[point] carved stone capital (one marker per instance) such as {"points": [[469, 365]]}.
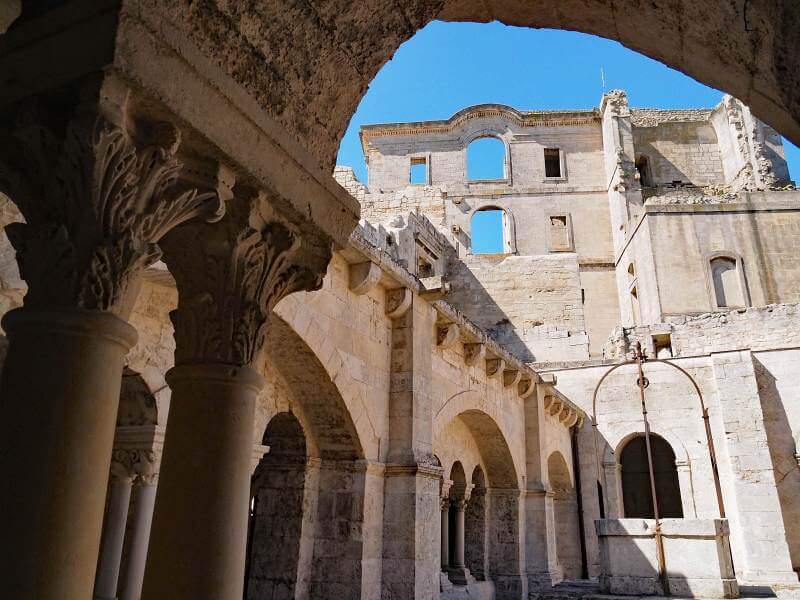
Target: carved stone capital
{"points": [[444, 503], [131, 463], [230, 275], [95, 205]]}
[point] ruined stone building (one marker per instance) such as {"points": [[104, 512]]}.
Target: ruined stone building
{"points": [[228, 374]]}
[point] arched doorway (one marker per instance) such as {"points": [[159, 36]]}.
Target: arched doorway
{"points": [[475, 527], [565, 513], [636, 492], [275, 567]]}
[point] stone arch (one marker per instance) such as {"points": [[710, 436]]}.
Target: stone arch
{"points": [[279, 538], [485, 418], [296, 312], [334, 475], [137, 401], [566, 516], [315, 398], [752, 54]]}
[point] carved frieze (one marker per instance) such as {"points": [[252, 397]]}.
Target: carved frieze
{"points": [[95, 205], [230, 275]]}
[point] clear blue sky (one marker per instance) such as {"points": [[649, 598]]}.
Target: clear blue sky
{"points": [[447, 66]]}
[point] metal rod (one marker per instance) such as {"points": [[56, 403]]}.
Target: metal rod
{"points": [[641, 383]]}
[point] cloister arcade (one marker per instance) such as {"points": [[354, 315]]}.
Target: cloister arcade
{"points": [[204, 133]]}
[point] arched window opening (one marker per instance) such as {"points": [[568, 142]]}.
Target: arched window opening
{"points": [[727, 281], [457, 493], [276, 512], [643, 168], [636, 493], [488, 231], [565, 508], [475, 527], [486, 159]]}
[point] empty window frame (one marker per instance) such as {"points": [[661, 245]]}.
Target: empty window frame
{"points": [[488, 231], [486, 159], [728, 282], [552, 163], [418, 174]]}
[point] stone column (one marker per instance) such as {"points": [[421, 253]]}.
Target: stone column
{"points": [[229, 277], [445, 527], [684, 468], [119, 498], [95, 204], [140, 537]]}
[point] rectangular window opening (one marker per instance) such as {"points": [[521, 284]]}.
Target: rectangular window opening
{"points": [[552, 162], [662, 345], [419, 171]]}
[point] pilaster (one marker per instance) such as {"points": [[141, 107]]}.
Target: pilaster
{"points": [[758, 542]]}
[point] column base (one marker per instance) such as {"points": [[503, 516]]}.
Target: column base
{"points": [[444, 582], [460, 575]]}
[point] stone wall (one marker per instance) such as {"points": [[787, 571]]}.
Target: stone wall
{"points": [[680, 151], [530, 304]]}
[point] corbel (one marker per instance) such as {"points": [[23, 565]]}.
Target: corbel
{"points": [[511, 377], [495, 367], [525, 387], [447, 335], [398, 301], [474, 353], [364, 277]]}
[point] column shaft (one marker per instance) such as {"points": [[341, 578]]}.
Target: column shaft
{"points": [[445, 525], [200, 522], [60, 391], [140, 539], [119, 499], [458, 551]]}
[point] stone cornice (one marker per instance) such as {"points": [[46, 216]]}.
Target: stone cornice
{"points": [[530, 118]]}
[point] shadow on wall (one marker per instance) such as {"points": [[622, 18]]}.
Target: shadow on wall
{"points": [[783, 452], [472, 298]]}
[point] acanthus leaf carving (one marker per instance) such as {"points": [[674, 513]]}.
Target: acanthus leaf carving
{"points": [[230, 275], [95, 207]]}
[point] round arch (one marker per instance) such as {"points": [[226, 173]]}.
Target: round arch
{"points": [[509, 225], [493, 448], [752, 53], [316, 400]]}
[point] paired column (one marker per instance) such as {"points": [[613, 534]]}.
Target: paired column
{"points": [[145, 491], [95, 204], [229, 277], [119, 498]]}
